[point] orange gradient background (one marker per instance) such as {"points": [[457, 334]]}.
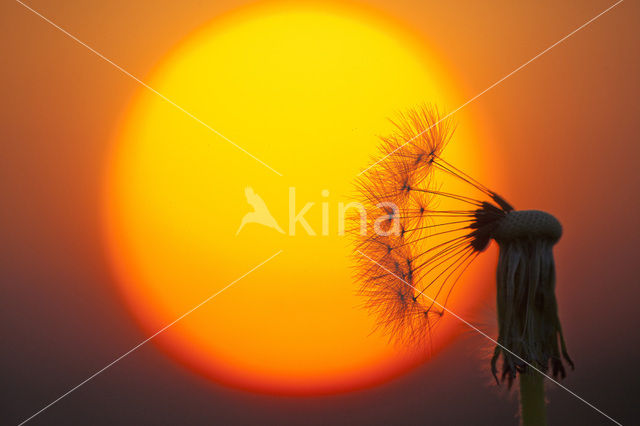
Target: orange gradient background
{"points": [[307, 89], [560, 135]]}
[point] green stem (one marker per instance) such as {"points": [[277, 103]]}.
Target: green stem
{"points": [[532, 405]]}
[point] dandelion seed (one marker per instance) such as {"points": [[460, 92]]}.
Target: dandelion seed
{"points": [[423, 251]]}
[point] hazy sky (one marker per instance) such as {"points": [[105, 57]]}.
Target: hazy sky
{"points": [[567, 128]]}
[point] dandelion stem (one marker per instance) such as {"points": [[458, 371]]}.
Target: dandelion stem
{"points": [[532, 404]]}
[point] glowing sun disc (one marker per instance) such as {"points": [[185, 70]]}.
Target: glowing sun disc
{"points": [[306, 89]]}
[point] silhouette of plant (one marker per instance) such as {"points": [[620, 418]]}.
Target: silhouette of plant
{"points": [[420, 239]]}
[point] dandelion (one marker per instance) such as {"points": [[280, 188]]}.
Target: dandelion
{"points": [[420, 239]]}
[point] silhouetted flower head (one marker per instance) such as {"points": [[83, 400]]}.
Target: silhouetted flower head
{"points": [[420, 239]]}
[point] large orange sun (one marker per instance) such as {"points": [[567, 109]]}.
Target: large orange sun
{"points": [[306, 89]]}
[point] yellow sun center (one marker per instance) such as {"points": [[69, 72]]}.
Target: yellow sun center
{"points": [[306, 89]]}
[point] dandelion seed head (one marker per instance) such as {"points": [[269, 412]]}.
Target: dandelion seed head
{"points": [[392, 193], [415, 251]]}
